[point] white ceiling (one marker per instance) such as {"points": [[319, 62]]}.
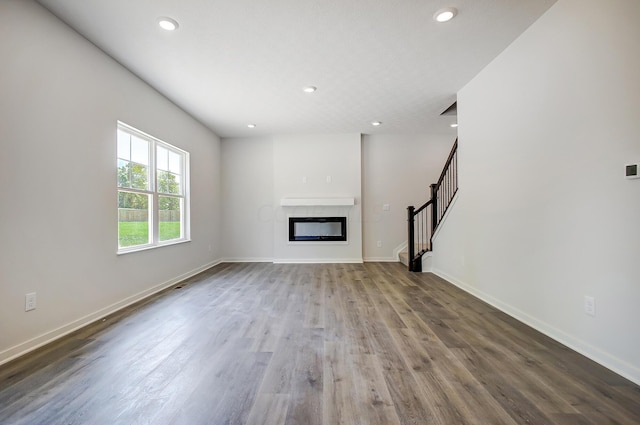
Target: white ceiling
{"points": [[236, 62]]}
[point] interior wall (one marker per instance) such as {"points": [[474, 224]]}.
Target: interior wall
{"points": [[397, 171], [247, 199], [545, 215], [60, 99], [317, 166]]}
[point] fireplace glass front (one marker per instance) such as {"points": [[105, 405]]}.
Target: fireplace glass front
{"points": [[317, 229]]}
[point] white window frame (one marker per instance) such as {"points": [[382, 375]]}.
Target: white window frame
{"points": [[154, 213]]}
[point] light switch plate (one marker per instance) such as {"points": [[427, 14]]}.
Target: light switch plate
{"points": [[30, 301]]}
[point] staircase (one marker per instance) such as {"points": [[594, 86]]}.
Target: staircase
{"points": [[423, 221], [424, 264], [404, 257]]}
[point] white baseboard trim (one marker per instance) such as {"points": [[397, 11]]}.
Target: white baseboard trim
{"points": [[603, 358], [317, 261], [299, 260], [50, 336], [247, 260], [427, 262], [380, 259]]}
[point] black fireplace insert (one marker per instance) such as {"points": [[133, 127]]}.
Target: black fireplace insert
{"points": [[317, 229]]}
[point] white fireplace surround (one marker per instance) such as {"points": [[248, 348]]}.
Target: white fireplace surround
{"points": [[319, 182], [316, 202]]}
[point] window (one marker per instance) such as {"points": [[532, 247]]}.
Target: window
{"points": [[153, 189]]}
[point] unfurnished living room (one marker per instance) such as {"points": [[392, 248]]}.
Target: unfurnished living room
{"points": [[320, 212]]}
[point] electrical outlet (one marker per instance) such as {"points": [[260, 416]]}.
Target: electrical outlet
{"points": [[379, 244], [30, 301], [590, 305]]}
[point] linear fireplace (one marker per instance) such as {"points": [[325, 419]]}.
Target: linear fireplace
{"points": [[319, 229]]}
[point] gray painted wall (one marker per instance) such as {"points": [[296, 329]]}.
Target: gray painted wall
{"points": [[60, 99], [545, 215]]}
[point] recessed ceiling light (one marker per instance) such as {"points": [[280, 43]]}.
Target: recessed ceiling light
{"points": [[446, 14], [454, 125], [376, 123], [168, 24], [251, 125], [309, 89]]}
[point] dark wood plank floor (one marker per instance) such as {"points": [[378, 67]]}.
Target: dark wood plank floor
{"points": [[312, 345]]}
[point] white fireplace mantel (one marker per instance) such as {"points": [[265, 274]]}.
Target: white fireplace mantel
{"points": [[313, 202]]}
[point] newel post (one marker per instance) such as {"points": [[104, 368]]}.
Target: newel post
{"points": [[434, 208], [411, 239]]}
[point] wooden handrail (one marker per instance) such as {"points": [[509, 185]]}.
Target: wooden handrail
{"points": [[454, 149], [425, 205], [448, 183]]}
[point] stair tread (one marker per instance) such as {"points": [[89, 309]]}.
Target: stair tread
{"points": [[404, 257]]}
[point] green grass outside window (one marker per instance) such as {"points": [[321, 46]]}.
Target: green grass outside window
{"points": [[131, 233]]}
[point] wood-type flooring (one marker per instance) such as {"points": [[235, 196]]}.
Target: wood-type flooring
{"points": [[312, 344]]}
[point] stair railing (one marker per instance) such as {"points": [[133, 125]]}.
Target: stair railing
{"points": [[424, 220]]}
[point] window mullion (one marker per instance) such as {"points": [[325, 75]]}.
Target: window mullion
{"points": [[156, 220], [155, 227]]}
